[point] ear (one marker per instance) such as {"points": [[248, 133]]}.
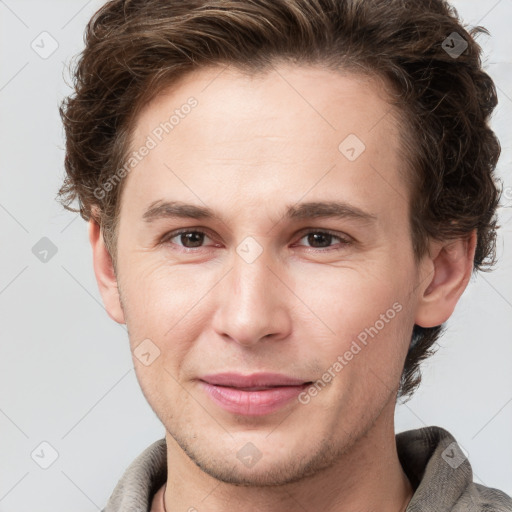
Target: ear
{"points": [[451, 266], [104, 272]]}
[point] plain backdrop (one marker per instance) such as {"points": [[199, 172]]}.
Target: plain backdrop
{"points": [[66, 373]]}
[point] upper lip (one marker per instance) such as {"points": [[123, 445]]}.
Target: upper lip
{"points": [[238, 380]]}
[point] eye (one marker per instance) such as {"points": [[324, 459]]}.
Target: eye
{"points": [[189, 238], [322, 239]]}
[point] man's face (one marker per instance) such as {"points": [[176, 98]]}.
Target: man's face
{"points": [[255, 293]]}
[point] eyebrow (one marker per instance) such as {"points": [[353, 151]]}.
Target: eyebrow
{"points": [[162, 209]]}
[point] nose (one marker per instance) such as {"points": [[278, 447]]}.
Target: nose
{"points": [[253, 302]]}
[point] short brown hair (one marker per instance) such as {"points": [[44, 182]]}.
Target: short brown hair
{"points": [[136, 48]]}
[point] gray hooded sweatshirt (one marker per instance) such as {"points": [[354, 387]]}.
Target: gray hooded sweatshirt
{"points": [[437, 468]]}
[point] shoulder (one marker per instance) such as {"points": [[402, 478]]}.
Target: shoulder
{"points": [[442, 476], [141, 480]]}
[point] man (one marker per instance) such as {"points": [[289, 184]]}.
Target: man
{"points": [[286, 200]]}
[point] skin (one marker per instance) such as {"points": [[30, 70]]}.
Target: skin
{"points": [[251, 147]]}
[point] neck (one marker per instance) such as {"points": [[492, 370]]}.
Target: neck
{"points": [[368, 476]]}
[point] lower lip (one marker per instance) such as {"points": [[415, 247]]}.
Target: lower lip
{"points": [[252, 403]]}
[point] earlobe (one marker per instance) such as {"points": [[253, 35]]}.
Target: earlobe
{"points": [[104, 272], [452, 265]]}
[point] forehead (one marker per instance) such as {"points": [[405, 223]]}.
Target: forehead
{"points": [[268, 100], [292, 130]]}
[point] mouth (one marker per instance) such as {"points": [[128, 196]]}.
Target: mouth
{"points": [[256, 388], [256, 380], [252, 395]]}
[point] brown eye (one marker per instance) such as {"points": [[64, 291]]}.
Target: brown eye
{"points": [[194, 238], [322, 239], [188, 239]]}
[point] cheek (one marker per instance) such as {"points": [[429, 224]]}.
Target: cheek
{"points": [[152, 287], [165, 306], [349, 299], [363, 315]]}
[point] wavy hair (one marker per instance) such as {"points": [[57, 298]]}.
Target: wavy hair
{"points": [[136, 48]]}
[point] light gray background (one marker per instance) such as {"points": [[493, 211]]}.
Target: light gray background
{"points": [[66, 374]]}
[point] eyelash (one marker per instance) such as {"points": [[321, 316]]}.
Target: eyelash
{"points": [[168, 236]]}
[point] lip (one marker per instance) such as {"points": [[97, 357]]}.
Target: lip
{"points": [[263, 379], [233, 393]]}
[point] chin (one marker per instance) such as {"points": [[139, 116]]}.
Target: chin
{"points": [[266, 475], [265, 459]]}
